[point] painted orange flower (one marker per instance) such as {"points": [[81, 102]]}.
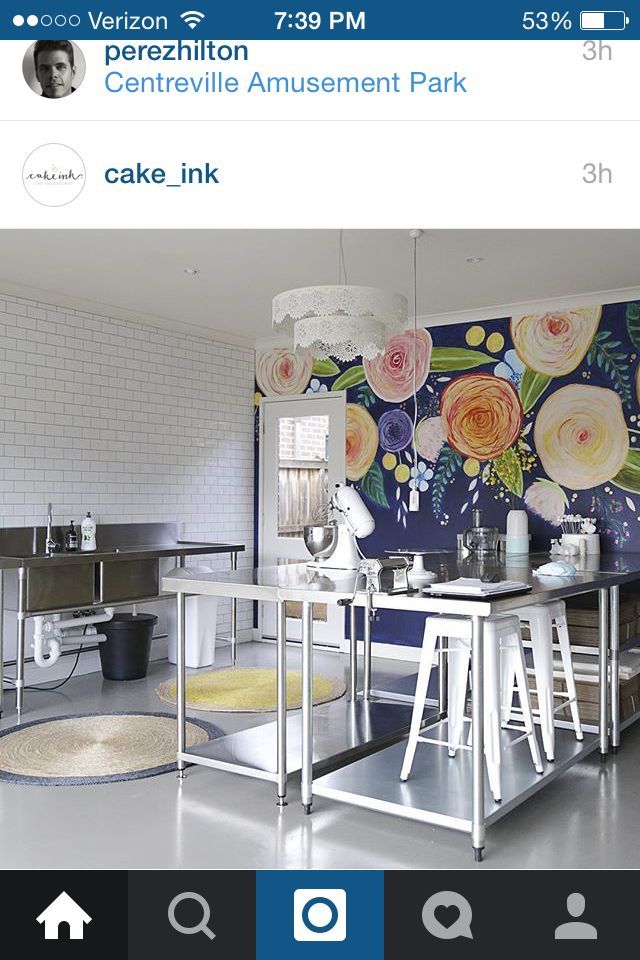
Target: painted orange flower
{"points": [[482, 415], [390, 375], [362, 441], [281, 372], [555, 343]]}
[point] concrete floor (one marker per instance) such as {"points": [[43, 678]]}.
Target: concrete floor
{"points": [[588, 818]]}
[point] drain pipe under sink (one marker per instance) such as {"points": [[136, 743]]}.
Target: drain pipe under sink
{"points": [[50, 635]]}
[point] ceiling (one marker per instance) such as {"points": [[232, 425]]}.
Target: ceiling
{"points": [[140, 273]]}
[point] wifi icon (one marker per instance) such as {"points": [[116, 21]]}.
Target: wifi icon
{"points": [[192, 18]]}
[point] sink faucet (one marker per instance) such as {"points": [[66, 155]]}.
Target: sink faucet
{"points": [[51, 545]]}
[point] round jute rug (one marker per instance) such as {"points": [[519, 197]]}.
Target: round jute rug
{"points": [[95, 748], [248, 690]]}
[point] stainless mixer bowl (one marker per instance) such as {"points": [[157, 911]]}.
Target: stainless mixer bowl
{"points": [[321, 539]]}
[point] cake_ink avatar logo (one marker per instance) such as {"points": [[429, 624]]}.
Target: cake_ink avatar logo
{"points": [[54, 175]]}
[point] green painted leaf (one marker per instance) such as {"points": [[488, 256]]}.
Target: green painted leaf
{"points": [[602, 352], [532, 387], [350, 378], [629, 477], [325, 368], [448, 463], [447, 359], [372, 486], [633, 324], [509, 470], [366, 395]]}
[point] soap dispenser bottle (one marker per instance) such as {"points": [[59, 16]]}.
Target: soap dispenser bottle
{"points": [[71, 539], [88, 530]]}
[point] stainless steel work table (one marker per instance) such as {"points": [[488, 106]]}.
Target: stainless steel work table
{"points": [[440, 792]]}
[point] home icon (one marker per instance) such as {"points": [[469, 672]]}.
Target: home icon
{"points": [[64, 910]]}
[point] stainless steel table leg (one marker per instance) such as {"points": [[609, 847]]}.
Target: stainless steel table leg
{"points": [[181, 683], [234, 616], [603, 673], [22, 600], [282, 703], [1, 639], [366, 683], [307, 706], [614, 641], [477, 727], [353, 655]]}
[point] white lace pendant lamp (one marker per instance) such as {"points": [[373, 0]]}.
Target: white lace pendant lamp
{"points": [[342, 321]]}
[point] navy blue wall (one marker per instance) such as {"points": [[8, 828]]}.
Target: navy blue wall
{"points": [[537, 412]]}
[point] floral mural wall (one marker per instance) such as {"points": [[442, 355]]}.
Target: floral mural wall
{"points": [[537, 411]]}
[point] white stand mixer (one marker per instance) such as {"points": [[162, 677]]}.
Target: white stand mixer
{"points": [[333, 545]]}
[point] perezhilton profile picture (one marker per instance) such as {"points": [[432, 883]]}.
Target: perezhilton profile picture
{"points": [[53, 69]]}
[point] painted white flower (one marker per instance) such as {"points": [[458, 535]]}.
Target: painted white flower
{"points": [[316, 386], [430, 437], [420, 477], [547, 499]]}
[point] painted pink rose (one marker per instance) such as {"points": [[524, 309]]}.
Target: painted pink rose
{"points": [[430, 437], [546, 499], [390, 375], [281, 372]]}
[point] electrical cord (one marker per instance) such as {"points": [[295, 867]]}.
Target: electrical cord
{"points": [[62, 682], [415, 358]]}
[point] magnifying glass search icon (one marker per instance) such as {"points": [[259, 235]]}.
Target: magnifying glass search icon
{"points": [[199, 927]]}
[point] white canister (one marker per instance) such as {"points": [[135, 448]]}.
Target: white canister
{"points": [[590, 542], [517, 539]]}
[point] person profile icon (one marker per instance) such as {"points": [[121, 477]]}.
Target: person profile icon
{"points": [[576, 929], [54, 69]]}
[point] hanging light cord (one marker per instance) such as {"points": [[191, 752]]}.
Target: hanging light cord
{"points": [[415, 358], [342, 265]]}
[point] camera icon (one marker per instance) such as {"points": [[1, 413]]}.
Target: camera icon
{"points": [[320, 915]]}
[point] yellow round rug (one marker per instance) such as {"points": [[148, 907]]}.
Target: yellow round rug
{"points": [[248, 690]]}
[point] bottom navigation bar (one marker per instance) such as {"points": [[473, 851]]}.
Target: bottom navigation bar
{"points": [[245, 915]]}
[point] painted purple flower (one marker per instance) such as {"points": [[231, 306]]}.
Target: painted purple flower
{"points": [[395, 429]]}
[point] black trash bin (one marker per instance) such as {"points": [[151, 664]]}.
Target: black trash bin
{"points": [[124, 655]]}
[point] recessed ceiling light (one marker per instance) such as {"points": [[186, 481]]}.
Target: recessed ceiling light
{"points": [[191, 271], [474, 259]]}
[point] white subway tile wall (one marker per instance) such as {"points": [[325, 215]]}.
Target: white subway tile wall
{"points": [[128, 420]]}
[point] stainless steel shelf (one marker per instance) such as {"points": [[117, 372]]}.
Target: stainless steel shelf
{"points": [[439, 790], [343, 731]]}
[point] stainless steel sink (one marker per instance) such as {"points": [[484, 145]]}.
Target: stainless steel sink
{"points": [[124, 567]]}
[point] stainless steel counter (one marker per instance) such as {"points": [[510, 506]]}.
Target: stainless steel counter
{"points": [[125, 569], [25, 546], [603, 574]]}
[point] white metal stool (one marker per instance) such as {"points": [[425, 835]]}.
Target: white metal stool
{"points": [[541, 619], [502, 637]]}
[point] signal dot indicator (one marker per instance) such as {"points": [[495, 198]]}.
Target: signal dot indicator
{"points": [[18, 20], [32, 20]]}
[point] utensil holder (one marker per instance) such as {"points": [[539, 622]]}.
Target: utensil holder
{"points": [[591, 541]]}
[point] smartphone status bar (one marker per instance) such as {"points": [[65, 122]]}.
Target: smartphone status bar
{"points": [[323, 20]]}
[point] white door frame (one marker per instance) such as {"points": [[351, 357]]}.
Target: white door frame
{"points": [[335, 622]]}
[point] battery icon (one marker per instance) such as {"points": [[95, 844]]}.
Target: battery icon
{"points": [[603, 20]]}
